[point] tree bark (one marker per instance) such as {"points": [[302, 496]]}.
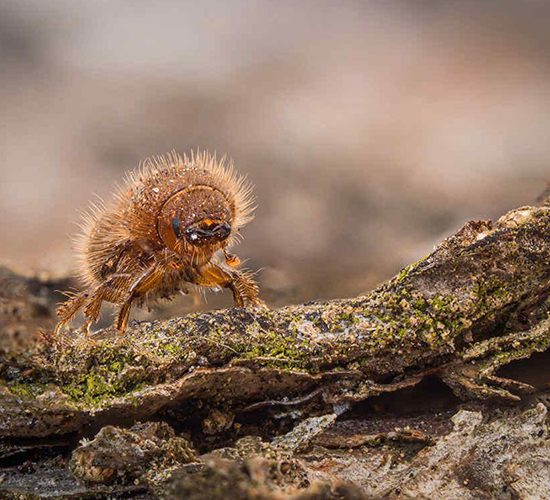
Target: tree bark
{"points": [[479, 301]]}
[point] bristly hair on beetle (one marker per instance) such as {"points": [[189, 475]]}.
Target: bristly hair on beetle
{"points": [[171, 223]]}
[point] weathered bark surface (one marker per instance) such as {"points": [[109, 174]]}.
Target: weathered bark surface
{"points": [[477, 303]]}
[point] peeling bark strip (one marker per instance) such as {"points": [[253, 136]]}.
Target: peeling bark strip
{"points": [[477, 302]]}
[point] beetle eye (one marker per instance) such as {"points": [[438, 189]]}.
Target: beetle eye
{"points": [[176, 226]]}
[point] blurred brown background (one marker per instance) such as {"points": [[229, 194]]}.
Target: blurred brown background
{"points": [[371, 129]]}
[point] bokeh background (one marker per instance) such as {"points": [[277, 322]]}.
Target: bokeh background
{"points": [[371, 129]]}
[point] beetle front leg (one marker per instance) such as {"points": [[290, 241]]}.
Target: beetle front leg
{"points": [[245, 290]]}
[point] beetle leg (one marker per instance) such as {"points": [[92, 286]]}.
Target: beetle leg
{"points": [[91, 302], [123, 315], [247, 288], [67, 310], [93, 308], [148, 280], [242, 285]]}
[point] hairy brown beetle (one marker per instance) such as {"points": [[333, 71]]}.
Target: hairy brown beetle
{"points": [[171, 223]]}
